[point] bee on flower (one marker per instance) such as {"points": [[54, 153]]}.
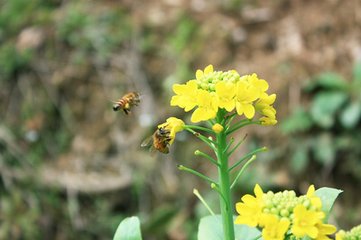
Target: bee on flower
{"points": [[164, 136]]}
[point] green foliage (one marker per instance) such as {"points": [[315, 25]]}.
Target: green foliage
{"points": [[327, 131], [97, 34], [128, 229], [12, 60], [210, 228], [328, 197]]}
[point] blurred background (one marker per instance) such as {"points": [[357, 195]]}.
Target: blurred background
{"points": [[71, 168]]}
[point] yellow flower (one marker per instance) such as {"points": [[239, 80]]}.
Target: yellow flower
{"points": [[274, 229], [174, 125], [323, 230], [225, 93], [186, 95], [200, 74], [217, 128], [250, 209], [263, 105], [245, 95], [259, 84], [340, 235], [207, 106], [213, 90], [315, 200], [305, 221]]}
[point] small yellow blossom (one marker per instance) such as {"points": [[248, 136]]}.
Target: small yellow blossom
{"points": [[245, 95], [226, 93], [259, 84], [304, 223], [250, 209], [274, 229], [207, 106], [174, 125], [207, 70], [315, 200], [186, 95], [217, 128], [323, 230], [340, 235], [263, 105]]}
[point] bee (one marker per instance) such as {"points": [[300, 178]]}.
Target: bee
{"points": [[127, 102], [158, 141]]}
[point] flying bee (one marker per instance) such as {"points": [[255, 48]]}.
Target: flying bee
{"points": [[127, 102], [158, 141]]}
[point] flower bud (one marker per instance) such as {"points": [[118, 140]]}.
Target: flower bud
{"points": [[217, 128]]}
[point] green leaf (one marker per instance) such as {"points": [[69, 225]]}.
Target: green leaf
{"points": [[128, 229], [328, 197], [299, 121], [327, 81], [351, 115], [325, 106], [324, 149], [299, 159], [210, 228]]}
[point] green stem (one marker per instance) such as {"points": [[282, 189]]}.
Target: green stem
{"points": [[208, 141], [206, 156], [241, 124], [242, 170], [199, 128], [199, 196], [224, 183], [237, 145], [247, 156], [194, 172]]}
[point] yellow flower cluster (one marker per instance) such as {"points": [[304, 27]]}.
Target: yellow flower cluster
{"points": [[354, 233], [284, 212], [214, 90]]}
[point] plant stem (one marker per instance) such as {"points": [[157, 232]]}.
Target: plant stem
{"points": [[224, 183]]}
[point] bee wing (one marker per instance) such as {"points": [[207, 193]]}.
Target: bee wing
{"points": [[148, 142]]}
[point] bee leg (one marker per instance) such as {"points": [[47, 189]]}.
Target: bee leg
{"points": [[126, 111]]}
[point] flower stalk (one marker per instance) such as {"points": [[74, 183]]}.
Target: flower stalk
{"points": [[224, 183]]}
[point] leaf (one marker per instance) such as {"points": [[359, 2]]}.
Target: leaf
{"points": [[299, 121], [324, 149], [299, 159], [328, 197], [327, 81], [210, 228], [324, 107], [351, 115], [128, 229]]}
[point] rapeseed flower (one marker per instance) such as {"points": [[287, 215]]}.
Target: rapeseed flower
{"points": [[250, 209], [186, 95], [207, 106], [274, 228], [213, 90], [323, 230], [283, 212], [304, 223]]}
